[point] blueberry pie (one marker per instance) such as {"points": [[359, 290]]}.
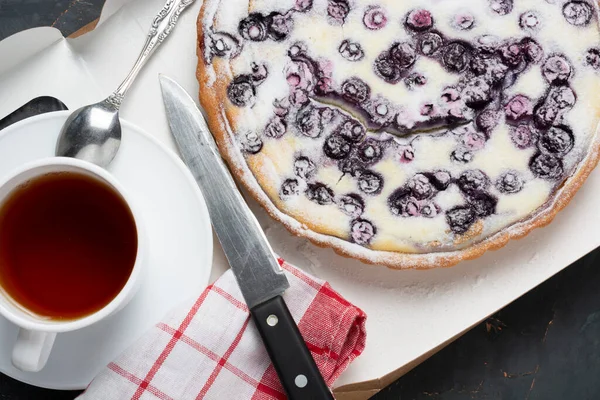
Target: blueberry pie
{"points": [[410, 133]]}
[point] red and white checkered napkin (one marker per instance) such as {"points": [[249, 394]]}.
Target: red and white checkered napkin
{"points": [[212, 350]]}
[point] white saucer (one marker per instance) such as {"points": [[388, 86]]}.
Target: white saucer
{"points": [[179, 245]]}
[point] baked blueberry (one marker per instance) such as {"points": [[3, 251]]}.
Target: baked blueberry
{"points": [[456, 56], [419, 20], [404, 121], [290, 187], [397, 198], [254, 27], [439, 179], [473, 140], [488, 44], [370, 151], [476, 93], [300, 74], [351, 165], [412, 207], [324, 84], [391, 65], [338, 10], [351, 205], [375, 18], [557, 140], [529, 20], [512, 53], [252, 143], [328, 115], [401, 203], [518, 108], [299, 98], [544, 115], [510, 182], [222, 44], [308, 121], [578, 13], [592, 57], [429, 43], [456, 114], [501, 7], [532, 50], [298, 50], [353, 131], [387, 69], [304, 168], [450, 95], [351, 51], [241, 91], [490, 67], [403, 55], [523, 136], [319, 193], [279, 26], [427, 109], [281, 107], [406, 154], [276, 128], [420, 187], [483, 204], [462, 155], [381, 112], [303, 5], [430, 210], [487, 120], [464, 21], [562, 97], [362, 232], [355, 90], [556, 69], [336, 147], [460, 219], [546, 166], [369, 182], [472, 181]]}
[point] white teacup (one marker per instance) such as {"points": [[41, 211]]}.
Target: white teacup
{"points": [[37, 334]]}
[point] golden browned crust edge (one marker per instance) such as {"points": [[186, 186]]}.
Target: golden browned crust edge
{"points": [[209, 99]]}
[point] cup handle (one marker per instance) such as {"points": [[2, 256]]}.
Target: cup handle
{"points": [[32, 350]]}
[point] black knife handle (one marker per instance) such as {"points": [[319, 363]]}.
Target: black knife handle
{"points": [[293, 362]]}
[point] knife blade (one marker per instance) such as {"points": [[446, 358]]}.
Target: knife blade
{"points": [[257, 271]]}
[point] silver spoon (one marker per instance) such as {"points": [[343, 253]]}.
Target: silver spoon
{"points": [[93, 133]]}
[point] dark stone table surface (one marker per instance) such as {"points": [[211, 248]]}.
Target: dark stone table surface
{"points": [[544, 346]]}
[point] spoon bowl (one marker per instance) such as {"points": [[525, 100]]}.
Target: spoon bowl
{"points": [[91, 133]]}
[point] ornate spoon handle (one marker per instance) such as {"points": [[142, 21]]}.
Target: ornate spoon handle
{"points": [[161, 27]]}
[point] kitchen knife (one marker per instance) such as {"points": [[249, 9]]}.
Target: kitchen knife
{"points": [[250, 256]]}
